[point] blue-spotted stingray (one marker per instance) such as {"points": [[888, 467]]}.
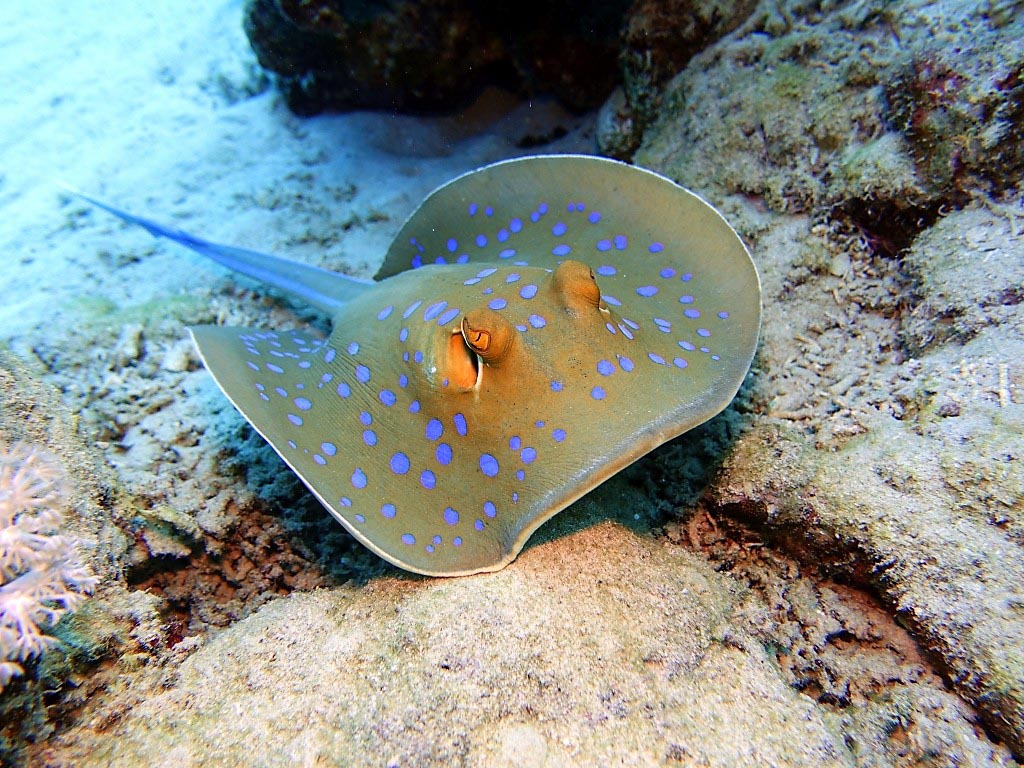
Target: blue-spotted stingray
{"points": [[537, 325]]}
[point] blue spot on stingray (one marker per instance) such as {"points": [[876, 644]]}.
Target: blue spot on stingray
{"points": [[598, 393], [403, 381], [667, 273], [609, 299], [434, 310], [329, 355], [678, 362], [359, 479], [417, 356], [489, 509], [528, 455], [561, 250], [414, 406], [453, 245], [296, 420], [362, 373], [656, 358], [487, 272], [252, 365], [655, 247], [345, 501], [434, 429], [497, 304], [693, 314], [534, 217], [528, 291], [481, 241], [516, 225], [515, 442], [594, 217], [329, 448], [460, 424], [542, 208], [605, 368], [620, 242], [457, 541], [556, 386], [625, 363], [537, 321], [631, 324], [703, 332], [344, 389], [647, 291], [451, 516], [411, 308], [302, 403], [687, 346], [427, 479], [611, 328], [281, 391], [472, 209], [687, 277], [558, 435], [448, 316], [512, 277], [359, 518], [408, 539], [416, 262], [275, 368], [488, 465], [508, 253], [604, 245], [558, 230], [385, 313], [503, 235], [489, 211], [366, 418], [605, 269], [369, 437], [626, 332], [388, 510], [353, 348], [443, 454], [520, 474], [399, 463], [479, 525], [388, 397], [437, 540], [723, 315]]}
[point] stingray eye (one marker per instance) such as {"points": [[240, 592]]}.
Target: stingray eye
{"points": [[478, 339], [575, 285], [488, 334]]}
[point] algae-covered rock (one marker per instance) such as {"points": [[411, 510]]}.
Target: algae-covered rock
{"points": [[968, 273], [604, 648], [415, 55], [787, 106]]}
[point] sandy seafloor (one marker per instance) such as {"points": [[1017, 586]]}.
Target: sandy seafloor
{"points": [[643, 629]]}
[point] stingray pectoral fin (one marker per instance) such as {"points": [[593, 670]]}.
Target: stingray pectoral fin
{"points": [[282, 383]]}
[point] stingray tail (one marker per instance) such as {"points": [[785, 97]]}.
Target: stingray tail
{"points": [[322, 288]]}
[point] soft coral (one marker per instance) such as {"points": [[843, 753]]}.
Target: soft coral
{"points": [[41, 575]]}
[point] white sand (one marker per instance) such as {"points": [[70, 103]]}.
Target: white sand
{"points": [[149, 105]]}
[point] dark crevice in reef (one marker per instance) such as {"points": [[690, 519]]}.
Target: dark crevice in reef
{"points": [[888, 227]]}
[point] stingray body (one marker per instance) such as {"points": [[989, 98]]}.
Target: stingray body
{"points": [[537, 325]]}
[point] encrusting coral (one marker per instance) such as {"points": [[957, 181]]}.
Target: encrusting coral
{"points": [[41, 575]]}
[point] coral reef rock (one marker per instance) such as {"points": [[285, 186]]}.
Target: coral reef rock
{"points": [[424, 56]]}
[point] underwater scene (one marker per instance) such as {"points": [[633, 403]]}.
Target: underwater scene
{"points": [[568, 383]]}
